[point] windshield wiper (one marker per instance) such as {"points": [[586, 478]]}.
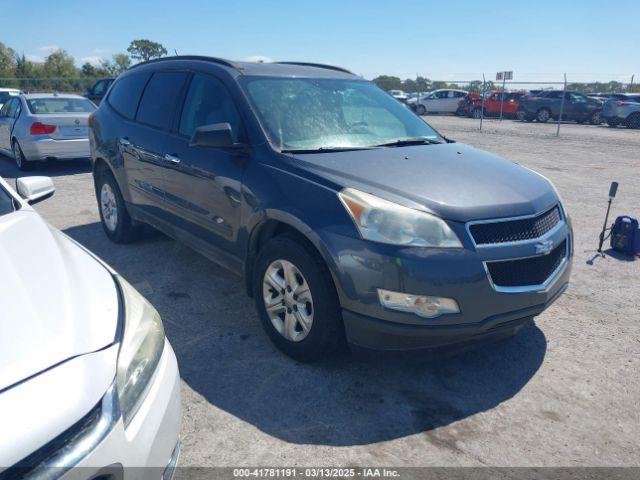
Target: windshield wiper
{"points": [[403, 142], [324, 149]]}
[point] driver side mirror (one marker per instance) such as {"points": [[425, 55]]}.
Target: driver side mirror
{"points": [[35, 189], [218, 135]]}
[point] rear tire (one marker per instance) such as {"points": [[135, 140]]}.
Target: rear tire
{"points": [[305, 341], [21, 162], [543, 115], [633, 120], [115, 218]]}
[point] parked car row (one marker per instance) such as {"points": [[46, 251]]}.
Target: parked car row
{"points": [[539, 105]]}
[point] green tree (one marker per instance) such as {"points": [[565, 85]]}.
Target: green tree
{"points": [[387, 82], [61, 73], [88, 70], [118, 64], [145, 50], [7, 61]]}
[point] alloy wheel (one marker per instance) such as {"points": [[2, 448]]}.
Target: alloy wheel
{"points": [[543, 115], [287, 300], [109, 207]]}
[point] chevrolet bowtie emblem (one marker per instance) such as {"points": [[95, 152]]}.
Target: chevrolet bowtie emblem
{"points": [[542, 248]]}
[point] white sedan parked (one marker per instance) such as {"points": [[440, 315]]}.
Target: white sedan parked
{"points": [[445, 100], [87, 377], [42, 126]]}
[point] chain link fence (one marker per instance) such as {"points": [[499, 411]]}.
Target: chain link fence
{"points": [[77, 85]]}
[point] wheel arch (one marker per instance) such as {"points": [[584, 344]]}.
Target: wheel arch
{"points": [[99, 166], [275, 223]]}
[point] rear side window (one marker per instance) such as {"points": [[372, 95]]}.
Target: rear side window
{"points": [[159, 99], [125, 94]]}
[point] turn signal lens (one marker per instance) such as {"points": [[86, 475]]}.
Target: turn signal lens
{"points": [[423, 306]]}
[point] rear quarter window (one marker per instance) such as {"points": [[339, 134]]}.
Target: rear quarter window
{"points": [[125, 94]]}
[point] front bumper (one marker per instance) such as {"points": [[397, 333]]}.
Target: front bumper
{"points": [[151, 439], [359, 268], [45, 148]]}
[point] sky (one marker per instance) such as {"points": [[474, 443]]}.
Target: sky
{"points": [[461, 40]]}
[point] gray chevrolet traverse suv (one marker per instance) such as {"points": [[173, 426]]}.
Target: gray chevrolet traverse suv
{"points": [[348, 216]]}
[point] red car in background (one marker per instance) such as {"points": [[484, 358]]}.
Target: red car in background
{"points": [[465, 106], [492, 104]]}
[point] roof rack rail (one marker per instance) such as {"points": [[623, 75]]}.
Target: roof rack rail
{"points": [[221, 61], [317, 65]]}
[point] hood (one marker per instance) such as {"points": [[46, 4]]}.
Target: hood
{"points": [[58, 302], [453, 180]]}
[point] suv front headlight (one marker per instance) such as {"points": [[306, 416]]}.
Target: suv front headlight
{"points": [[141, 347], [383, 221]]}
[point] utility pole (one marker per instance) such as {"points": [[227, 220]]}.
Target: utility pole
{"points": [[484, 89], [564, 94]]}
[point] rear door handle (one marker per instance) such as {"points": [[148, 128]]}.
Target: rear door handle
{"points": [[172, 158]]}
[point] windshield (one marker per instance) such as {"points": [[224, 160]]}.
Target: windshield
{"points": [[326, 114], [6, 202], [60, 105]]}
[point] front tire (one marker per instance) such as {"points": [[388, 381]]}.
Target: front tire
{"points": [[115, 218], [421, 110], [543, 115], [296, 300], [596, 118], [476, 113]]}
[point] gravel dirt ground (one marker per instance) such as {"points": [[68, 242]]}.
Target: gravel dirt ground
{"points": [[563, 392]]}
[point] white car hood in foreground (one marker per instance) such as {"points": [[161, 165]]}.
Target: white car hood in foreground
{"points": [[56, 300]]}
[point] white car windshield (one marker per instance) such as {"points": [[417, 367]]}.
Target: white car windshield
{"points": [[6, 202], [327, 114]]}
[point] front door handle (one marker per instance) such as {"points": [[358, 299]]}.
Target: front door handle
{"points": [[124, 141], [172, 158]]}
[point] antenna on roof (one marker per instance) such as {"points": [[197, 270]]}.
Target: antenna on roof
{"points": [[175, 51]]}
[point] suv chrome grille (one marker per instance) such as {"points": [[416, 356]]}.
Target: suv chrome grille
{"points": [[527, 271], [516, 230]]}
